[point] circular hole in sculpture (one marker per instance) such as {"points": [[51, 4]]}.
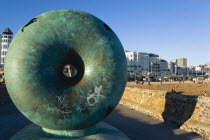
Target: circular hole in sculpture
{"points": [[69, 70]]}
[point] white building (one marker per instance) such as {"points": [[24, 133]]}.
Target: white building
{"points": [[199, 70], [143, 63], [133, 63], [6, 39]]}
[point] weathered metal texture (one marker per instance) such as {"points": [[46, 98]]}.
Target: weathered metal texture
{"points": [[34, 132], [34, 70]]}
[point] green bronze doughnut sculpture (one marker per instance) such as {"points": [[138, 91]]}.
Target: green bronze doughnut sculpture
{"points": [[36, 60]]}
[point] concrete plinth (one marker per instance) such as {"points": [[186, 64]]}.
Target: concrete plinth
{"points": [[35, 132]]}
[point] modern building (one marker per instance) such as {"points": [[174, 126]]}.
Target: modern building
{"points": [[143, 59], [134, 67], [154, 62], [164, 67], [6, 39], [181, 62], [143, 63], [172, 66], [191, 70]]}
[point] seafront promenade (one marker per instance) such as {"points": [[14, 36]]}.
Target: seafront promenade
{"points": [[136, 125]]}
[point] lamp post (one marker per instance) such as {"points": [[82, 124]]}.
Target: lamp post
{"points": [[150, 73], [135, 77], [151, 66]]}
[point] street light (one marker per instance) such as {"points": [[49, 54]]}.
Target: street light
{"points": [[135, 77], [175, 69], [151, 66]]}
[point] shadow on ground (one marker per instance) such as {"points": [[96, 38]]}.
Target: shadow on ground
{"points": [[138, 126], [134, 124], [11, 120], [178, 108]]}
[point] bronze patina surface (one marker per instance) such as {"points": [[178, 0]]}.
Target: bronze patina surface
{"points": [[34, 70]]}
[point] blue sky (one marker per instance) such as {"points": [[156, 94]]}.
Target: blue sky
{"points": [[170, 28]]}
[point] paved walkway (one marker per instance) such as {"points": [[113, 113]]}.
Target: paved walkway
{"points": [[136, 125], [11, 121], [139, 126]]}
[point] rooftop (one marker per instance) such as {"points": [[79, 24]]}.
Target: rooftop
{"points": [[153, 55], [7, 31]]}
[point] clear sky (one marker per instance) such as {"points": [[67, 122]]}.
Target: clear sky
{"points": [[170, 28]]}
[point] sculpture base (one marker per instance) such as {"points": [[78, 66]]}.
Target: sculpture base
{"points": [[101, 131], [49, 133]]}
